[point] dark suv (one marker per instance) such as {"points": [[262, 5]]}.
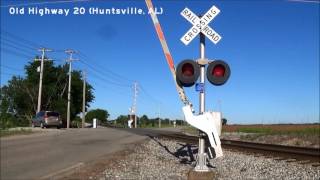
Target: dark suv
{"points": [[47, 119]]}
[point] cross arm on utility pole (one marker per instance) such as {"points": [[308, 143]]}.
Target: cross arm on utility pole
{"points": [[43, 50]]}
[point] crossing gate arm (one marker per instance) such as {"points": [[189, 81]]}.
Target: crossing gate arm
{"points": [[166, 51]]}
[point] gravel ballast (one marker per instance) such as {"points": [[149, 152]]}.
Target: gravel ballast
{"points": [[167, 159]]}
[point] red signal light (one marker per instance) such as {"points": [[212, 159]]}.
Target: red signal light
{"points": [[218, 72], [187, 73], [187, 69]]}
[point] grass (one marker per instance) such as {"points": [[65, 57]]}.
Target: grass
{"points": [[255, 130], [259, 131], [311, 135], [190, 130], [11, 132], [270, 131], [299, 135]]}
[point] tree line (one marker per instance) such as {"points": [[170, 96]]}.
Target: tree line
{"points": [[19, 96], [145, 121]]}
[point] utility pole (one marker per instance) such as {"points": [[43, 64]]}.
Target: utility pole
{"points": [[134, 105], [159, 116], [84, 99], [43, 50], [70, 52]]}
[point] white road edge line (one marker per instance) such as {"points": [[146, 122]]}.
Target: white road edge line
{"points": [[64, 171]]}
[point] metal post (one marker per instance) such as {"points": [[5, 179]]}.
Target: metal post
{"points": [[84, 99], [201, 165]]}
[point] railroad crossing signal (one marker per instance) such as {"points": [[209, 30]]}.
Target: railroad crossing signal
{"points": [[188, 71], [200, 25]]}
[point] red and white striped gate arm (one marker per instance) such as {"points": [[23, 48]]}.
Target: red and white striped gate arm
{"points": [[166, 51]]}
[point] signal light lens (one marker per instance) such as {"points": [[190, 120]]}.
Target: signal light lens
{"points": [[187, 73], [187, 69], [218, 72]]}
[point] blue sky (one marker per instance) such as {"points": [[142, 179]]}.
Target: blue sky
{"points": [[272, 48]]}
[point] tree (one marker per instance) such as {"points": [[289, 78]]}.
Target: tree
{"points": [[122, 120], [21, 93], [144, 121], [99, 114], [224, 121], [166, 121]]}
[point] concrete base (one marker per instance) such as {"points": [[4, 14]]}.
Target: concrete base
{"points": [[194, 175]]}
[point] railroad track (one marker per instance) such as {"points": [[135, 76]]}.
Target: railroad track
{"points": [[301, 155]]}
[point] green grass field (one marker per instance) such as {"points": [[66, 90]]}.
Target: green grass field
{"points": [[262, 130]]}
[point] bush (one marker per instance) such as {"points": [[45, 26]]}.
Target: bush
{"points": [[224, 121], [7, 121], [76, 122]]}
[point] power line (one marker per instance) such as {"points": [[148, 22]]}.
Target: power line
{"points": [[19, 54], [116, 91], [108, 81], [5, 44], [150, 96], [20, 39], [9, 74], [106, 70], [11, 42], [102, 77], [11, 68]]}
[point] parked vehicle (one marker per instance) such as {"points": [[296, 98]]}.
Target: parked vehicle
{"points": [[47, 119]]}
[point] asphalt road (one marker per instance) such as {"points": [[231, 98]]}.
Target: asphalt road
{"points": [[39, 155]]}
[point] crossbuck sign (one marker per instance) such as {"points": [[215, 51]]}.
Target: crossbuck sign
{"points": [[200, 25]]}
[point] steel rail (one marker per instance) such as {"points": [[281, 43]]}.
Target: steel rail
{"points": [[312, 155]]}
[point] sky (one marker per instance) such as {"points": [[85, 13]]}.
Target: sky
{"points": [[272, 48]]}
